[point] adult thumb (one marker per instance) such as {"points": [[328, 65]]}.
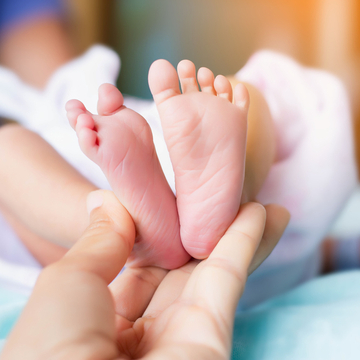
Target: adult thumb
{"points": [[108, 240]]}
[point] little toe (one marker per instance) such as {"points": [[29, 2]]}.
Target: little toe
{"points": [[73, 114], [84, 121], [223, 87], [85, 131], [88, 141], [163, 81], [206, 80], [74, 104], [110, 99], [73, 109], [241, 96], [187, 75]]}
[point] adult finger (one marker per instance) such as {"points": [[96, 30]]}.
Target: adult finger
{"points": [[133, 290], [219, 281], [107, 242], [170, 289], [277, 219]]}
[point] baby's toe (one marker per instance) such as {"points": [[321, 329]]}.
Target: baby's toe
{"points": [[74, 104], [74, 108], [73, 115], [187, 75], [87, 135], [88, 141], [206, 80], [163, 81], [223, 87], [241, 96], [84, 121]]}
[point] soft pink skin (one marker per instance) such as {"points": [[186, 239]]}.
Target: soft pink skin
{"points": [[119, 140], [206, 137]]}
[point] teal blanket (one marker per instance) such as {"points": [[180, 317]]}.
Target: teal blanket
{"points": [[11, 305], [318, 320]]}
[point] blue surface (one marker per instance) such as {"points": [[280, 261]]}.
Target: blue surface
{"points": [[318, 320], [11, 305]]}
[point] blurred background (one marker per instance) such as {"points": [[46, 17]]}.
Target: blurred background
{"points": [[222, 35]]}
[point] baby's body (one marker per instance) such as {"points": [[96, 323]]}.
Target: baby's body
{"points": [[292, 181]]}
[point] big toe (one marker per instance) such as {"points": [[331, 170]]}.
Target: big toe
{"points": [[110, 99], [163, 81]]}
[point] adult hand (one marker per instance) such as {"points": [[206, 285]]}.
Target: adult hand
{"points": [[147, 313]]}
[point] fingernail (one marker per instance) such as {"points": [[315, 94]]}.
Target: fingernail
{"points": [[94, 200]]}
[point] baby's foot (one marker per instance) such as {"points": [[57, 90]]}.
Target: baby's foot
{"points": [[119, 140], [206, 137]]}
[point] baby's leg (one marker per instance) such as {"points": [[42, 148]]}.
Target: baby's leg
{"points": [[40, 188], [260, 143], [206, 138], [120, 141], [44, 251]]}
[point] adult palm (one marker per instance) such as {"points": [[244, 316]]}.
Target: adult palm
{"points": [[146, 313]]}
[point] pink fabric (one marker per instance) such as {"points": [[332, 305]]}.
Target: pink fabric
{"points": [[316, 170]]}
